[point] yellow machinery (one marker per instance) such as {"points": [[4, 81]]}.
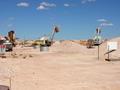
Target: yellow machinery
{"points": [[45, 40]]}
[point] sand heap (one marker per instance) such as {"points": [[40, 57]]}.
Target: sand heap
{"points": [[68, 46]]}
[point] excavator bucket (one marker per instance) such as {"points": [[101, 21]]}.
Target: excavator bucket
{"points": [[56, 29]]}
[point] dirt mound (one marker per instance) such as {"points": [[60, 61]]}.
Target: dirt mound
{"points": [[116, 39], [69, 46]]}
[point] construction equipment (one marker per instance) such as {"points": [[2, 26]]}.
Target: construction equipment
{"points": [[47, 40], [90, 43], [5, 45], [96, 41], [8, 45], [56, 30], [93, 42], [8, 42], [11, 37]]}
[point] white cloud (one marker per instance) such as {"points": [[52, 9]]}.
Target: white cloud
{"points": [[48, 4], [10, 25], [23, 4], [66, 5], [87, 1], [102, 20], [41, 7], [106, 24], [45, 5], [91, 0]]}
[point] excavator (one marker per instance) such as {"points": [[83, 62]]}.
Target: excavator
{"points": [[47, 40]]}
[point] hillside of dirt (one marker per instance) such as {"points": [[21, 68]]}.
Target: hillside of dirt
{"points": [[66, 66]]}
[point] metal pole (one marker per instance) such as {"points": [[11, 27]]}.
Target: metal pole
{"points": [[108, 54], [52, 37], [98, 52], [10, 81]]}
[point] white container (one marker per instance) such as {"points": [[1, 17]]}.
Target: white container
{"points": [[2, 49], [44, 48]]}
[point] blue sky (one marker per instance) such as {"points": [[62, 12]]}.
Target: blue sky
{"points": [[77, 19]]}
